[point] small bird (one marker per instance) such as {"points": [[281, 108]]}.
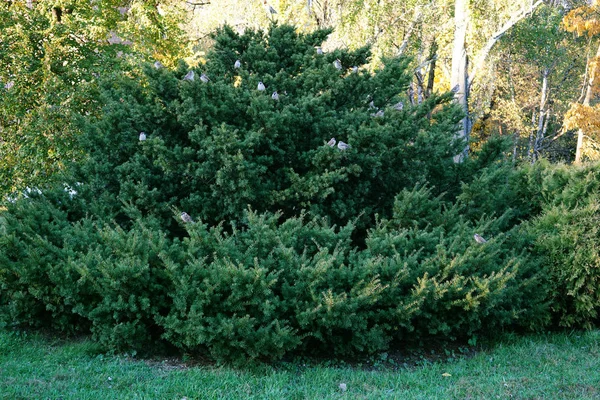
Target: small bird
{"points": [[185, 217], [372, 105], [275, 96], [261, 86], [237, 64], [479, 239], [189, 76], [270, 10], [142, 136], [337, 64], [354, 69], [331, 142], [343, 146], [343, 387], [456, 88], [378, 114], [158, 65], [319, 50], [399, 106], [204, 78]]}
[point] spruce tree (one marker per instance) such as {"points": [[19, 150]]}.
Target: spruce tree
{"points": [[215, 144]]}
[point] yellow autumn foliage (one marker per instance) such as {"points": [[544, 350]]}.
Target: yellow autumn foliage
{"points": [[586, 118], [583, 117], [583, 20]]}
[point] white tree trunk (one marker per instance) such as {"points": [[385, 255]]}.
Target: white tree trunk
{"points": [[459, 79], [539, 136], [586, 102]]}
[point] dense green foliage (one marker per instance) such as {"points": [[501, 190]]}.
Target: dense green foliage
{"points": [[560, 206], [271, 287], [52, 54], [214, 148], [568, 243], [296, 246]]}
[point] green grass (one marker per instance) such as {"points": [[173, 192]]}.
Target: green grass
{"points": [[549, 366]]}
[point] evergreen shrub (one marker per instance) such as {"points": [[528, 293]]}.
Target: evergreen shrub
{"points": [[296, 246], [214, 148], [567, 240]]}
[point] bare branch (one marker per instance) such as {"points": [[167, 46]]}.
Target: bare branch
{"points": [[498, 34], [200, 4], [416, 19]]}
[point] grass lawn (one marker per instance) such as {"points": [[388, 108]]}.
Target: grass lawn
{"points": [[553, 366]]}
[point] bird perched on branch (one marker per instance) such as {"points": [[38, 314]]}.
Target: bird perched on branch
{"points": [[343, 146], [331, 142], [337, 64], [204, 78], [142, 136], [185, 217], [479, 239], [260, 87], [237, 64], [270, 10], [319, 50], [158, 65], [399, 106], [275, 96], [189, 76]]}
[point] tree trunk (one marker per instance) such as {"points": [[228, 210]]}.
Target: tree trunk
{"points": [[460, 75], [586, 102], [416, 19], [411, 93], [515, 147], [461, 81], [530, 147], [431, 74], [539, 136]]}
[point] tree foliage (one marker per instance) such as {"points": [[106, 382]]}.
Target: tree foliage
{"points": [[52, 55]]}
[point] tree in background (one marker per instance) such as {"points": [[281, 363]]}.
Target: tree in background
{"points": [[538, 68], [584, 116], [52, 54]]}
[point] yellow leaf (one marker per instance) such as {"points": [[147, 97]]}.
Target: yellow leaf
{"points": [[446, 374]]}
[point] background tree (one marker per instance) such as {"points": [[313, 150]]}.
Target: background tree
{"points": [[584, 116], [538, 73], [52, 54]]}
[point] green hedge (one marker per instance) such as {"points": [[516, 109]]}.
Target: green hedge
{"points": [[271, 285]]}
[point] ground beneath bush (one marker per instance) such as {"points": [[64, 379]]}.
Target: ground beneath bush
{"points": [[558, 366]]}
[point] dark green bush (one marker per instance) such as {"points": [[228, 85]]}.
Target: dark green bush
{"points": [[121, 286], [341, 252], [273, 286], [32, 261], [567, 242], [215, 148], [265, 289]]}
